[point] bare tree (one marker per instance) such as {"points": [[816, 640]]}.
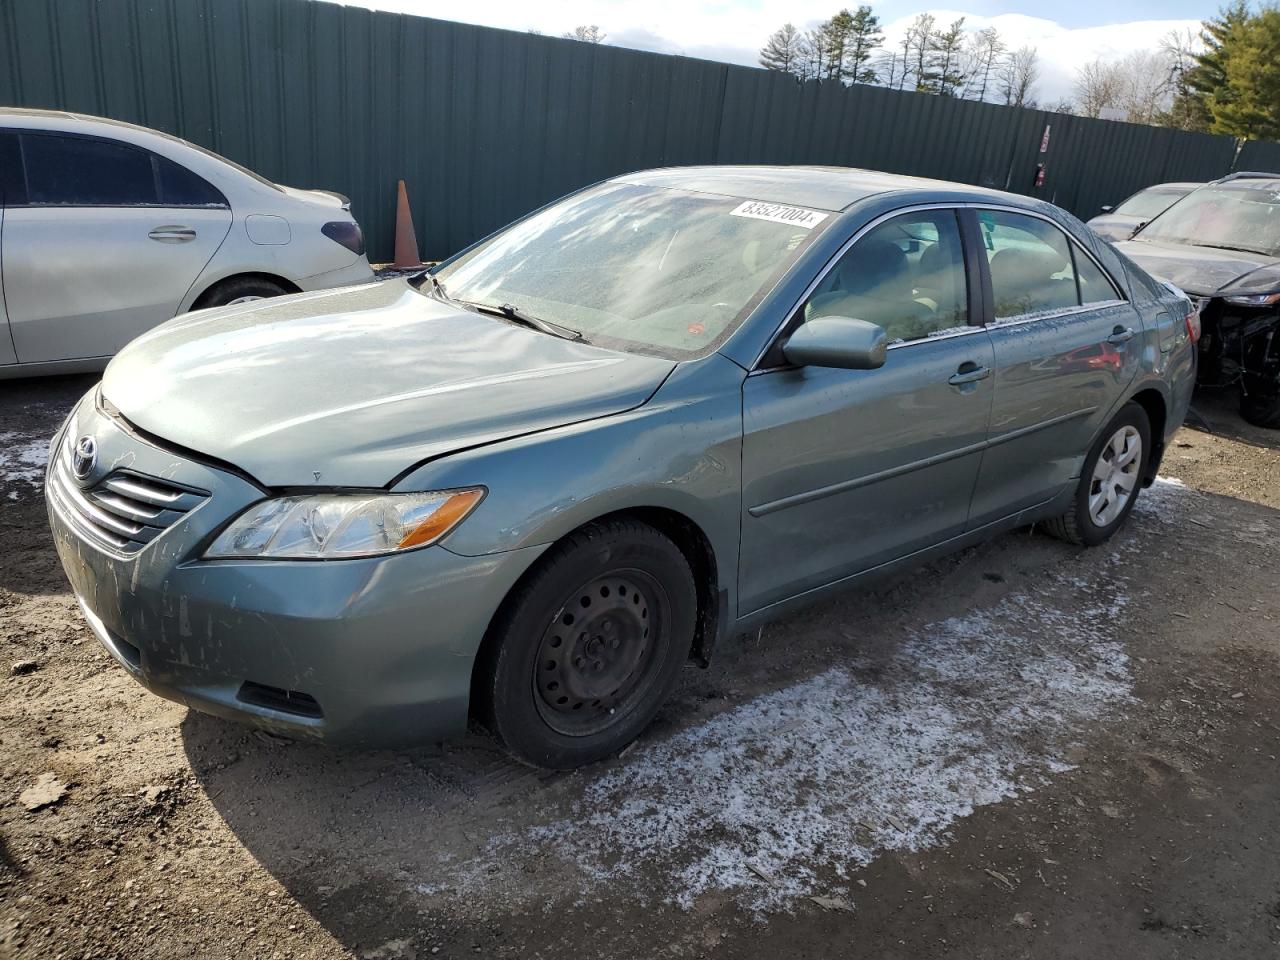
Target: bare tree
{"points": [[1018, 76], [812, 63], [984, 52], [587, 34], [1140, 84], [1148, 85], [783, 50], [1098, 85], [1182, 48], [916, 46]]}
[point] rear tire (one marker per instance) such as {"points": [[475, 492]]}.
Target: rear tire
{"points": [[1109, 481], [1261, 409], [586, 649], [240, 290]]}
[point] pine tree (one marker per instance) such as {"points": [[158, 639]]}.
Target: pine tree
{"points": [[943, 73], [1234, 87], [783, 50], [865, 38]]}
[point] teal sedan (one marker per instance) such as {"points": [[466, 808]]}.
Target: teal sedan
{"points": [[527, 486]]}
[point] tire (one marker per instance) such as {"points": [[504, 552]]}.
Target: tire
{"points": [[1092, 521], [1261, 409], [587, 647], [240, 290]]}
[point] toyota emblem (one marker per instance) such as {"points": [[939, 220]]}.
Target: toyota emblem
{"points": [[83, 457]]}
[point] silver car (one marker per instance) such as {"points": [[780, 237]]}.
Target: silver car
{"points": [[1123, 221], [108, 229], [530, 485]]}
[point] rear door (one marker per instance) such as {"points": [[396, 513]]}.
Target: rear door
{"points": [[103, 244], [1066, 346], [844, 470], [9, 176]]}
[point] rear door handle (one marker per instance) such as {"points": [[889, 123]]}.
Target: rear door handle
{"points": [[1121, 335], [172, 234], [969, 372]]}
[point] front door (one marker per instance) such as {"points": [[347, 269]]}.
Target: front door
{"points": [[103, 246], [1066, 347], [844, 470]]}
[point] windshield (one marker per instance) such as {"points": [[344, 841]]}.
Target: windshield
{"points": [[634, 267], [1147, 203], [1238, 216]]}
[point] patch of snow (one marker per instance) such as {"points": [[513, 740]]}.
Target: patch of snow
{"points": [[780, 797], [23, 459]]}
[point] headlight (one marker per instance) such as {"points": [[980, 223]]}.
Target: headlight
{"points": [[1254, 299], [330, 526], [1259, 288]]}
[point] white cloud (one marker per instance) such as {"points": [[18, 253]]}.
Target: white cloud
{"points": [[733, 31]]}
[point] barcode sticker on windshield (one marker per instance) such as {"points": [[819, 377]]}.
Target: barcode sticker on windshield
{"points": [[778, 213]]}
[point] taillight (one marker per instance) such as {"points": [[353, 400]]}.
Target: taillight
{"points": [[347, 233], [1193, 322]]}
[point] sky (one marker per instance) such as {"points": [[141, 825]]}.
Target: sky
{"points": [[734, 30]]}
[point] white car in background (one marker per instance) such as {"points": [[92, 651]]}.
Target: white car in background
{"points": [[108, 229]]}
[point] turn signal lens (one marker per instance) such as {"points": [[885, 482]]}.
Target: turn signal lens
{"points": [[343, 525]]}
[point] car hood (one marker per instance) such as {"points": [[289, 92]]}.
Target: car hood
{"points": [[352, 387], [1198, 270]]}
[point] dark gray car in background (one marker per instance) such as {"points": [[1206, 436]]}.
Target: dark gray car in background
{"points": [[1221, 244], [529, 486]]}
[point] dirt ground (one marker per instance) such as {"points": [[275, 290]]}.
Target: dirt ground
{"points": [[1027, 750]]}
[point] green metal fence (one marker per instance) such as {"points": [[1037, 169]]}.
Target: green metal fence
{"points": [[486, 124]]}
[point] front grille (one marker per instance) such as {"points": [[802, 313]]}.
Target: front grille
{"points": [[125, 510]]}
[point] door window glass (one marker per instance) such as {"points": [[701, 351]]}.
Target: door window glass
{"points": [[79, 171], [12, 190], [1095, 286], [1031, 266], [179, 187], [906, 275]]}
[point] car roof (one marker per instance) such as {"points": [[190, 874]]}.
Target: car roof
{"points": [[824, 188], [1187, 185]]}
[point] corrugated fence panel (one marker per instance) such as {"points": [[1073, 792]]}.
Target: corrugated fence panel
{"points": [[485, 125]]}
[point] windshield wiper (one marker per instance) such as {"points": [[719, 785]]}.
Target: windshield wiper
{"points": [[428, 276], [1223, 246], [516, 315]]}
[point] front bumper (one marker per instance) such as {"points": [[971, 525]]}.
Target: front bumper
{"points": [[370, 652]]}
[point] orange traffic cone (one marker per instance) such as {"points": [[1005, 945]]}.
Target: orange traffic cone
{"points": [[406, 240]]}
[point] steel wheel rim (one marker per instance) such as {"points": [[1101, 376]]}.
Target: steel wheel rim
{"points": [[601, 653], [249, 298], [1115, 476]]}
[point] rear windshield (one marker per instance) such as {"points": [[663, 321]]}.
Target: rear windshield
{"points": [[1233, 216], [634, 267]]}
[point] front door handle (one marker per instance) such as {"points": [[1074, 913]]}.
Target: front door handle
{"points": [[172, 234], [969, 372], [1121, 335]]}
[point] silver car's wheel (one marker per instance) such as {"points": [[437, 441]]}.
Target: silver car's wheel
{"points": [[1115, 475], [249, 299], [1110, 479]]}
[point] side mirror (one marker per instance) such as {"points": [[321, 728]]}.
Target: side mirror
{"points": [[1107, 208], [841, 342]]}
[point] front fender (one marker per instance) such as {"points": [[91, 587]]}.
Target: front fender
{"points": [[681, 451]]}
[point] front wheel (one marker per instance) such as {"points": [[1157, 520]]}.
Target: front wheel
{"points": [[586, 649], [1110, 480]]}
